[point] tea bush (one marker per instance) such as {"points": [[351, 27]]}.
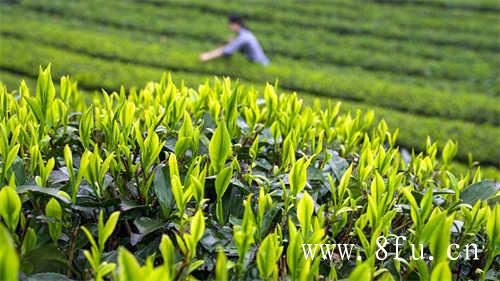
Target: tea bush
{"points": [[219, 182]]}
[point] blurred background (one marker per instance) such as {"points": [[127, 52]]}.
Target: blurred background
{"points": [[428, 67]]}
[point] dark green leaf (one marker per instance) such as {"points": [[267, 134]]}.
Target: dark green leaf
{"points": [[484, 190], [163, 190], [145, 226], [48, 276], [53, 260], [52, 192]]}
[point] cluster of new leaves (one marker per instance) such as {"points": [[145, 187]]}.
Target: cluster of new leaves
{"points": [[176, 183]]}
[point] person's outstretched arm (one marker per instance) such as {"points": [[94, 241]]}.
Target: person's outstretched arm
{"points": [[212, 54], [226, 50]]}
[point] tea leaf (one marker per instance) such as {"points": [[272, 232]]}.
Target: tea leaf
{"points": [[29, 242], [9, 262], [362, 272], [483, 190], [493, 229], [220, 147], [10, 207], [441, 272], [305, 209], [53, 210], [167, 252], [128, 266], [222, 181], [267, 256], [109, 227], [221, 266], [197, 225], [298, 176], [86, 127]]}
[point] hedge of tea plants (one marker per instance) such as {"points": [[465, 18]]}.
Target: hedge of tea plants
{"points": [[470, 107], [218, 182], [475, 68]]}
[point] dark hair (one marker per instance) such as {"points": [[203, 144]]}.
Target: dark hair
{"points": [[235, 18]]}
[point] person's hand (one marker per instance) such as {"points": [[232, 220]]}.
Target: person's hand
{"points": [[204, 56], [211, 55]]}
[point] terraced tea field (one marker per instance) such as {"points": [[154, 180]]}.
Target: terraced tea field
{"points": [[428, 67], [368, 149]]}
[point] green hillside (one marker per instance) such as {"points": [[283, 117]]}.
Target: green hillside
{"points": [[426, 67]]}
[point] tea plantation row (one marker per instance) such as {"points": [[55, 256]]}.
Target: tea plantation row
{"points": [[198, 42], [387, 31], [321, 81], [168, 21]]}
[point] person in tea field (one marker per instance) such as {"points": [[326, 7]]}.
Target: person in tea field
{"points": [[245, 43]]}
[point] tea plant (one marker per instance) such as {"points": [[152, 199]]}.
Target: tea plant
{"points": [[222, 182]]}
